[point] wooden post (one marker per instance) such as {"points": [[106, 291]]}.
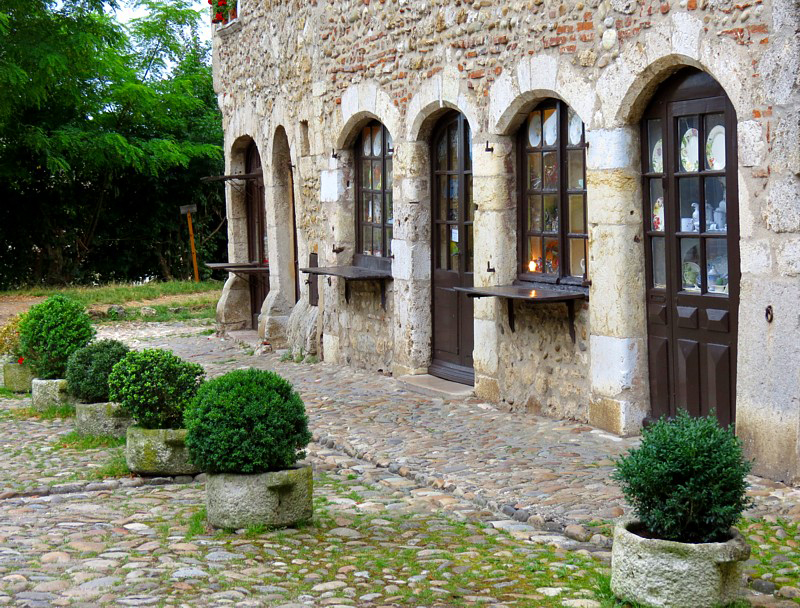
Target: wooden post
{"points": [[194, 252], [188, 209]]}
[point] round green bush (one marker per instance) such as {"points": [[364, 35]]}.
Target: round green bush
{"points": [[50, 332], [89, 367], [686, 481], [154, 387], [247, 421]]}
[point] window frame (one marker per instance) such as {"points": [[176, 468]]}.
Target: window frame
{"points": [[562, 192], [386, 225]]}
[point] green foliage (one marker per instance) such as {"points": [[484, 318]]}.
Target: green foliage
{"points": [[88, 369], [247, 421], [51, 331], [154, 387], [103, 132], [9, 336], [75, 441], [686, 481]]}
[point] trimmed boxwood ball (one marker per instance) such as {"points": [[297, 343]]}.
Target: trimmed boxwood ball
{"points": [[154, 387], [50, 332], [89, 367], [686, 481], [247, 421]]}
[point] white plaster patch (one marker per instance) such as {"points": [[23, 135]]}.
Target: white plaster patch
{"points": [[789, 258], [611, 148], [485, 349], [686, 35], [331, 186], [613, 364]]}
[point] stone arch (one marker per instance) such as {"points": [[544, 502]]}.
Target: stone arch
{"points": [[362, 103], [445, 91], [281, 191], [534, 79], [634, 77]]}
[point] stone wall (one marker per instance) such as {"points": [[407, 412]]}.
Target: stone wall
{"points": [[318, 70]]}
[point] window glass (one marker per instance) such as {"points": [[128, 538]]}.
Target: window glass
{"points": [[552, 213], [374, 190]]}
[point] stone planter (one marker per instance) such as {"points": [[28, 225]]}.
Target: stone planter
{"points": [[281, 498], [45, 393], [158, 452], [4, 359], [17, 378], [106, 419], [668, 574]]}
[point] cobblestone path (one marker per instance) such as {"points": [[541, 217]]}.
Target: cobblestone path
{"points": [[407, 517]]}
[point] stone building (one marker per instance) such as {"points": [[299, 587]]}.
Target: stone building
{"points": [[587, 209]]}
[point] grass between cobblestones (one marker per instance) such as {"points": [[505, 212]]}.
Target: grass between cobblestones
{"points": [[119, 293], [75, 441], [51, 412], [7, 394]]}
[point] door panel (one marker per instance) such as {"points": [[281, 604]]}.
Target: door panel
{"points": [[452, 250], [691, 222], [256, 234]]}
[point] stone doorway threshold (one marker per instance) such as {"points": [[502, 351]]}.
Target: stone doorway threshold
{"points": [[432, 386]]}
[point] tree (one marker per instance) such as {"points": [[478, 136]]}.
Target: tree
{"points": [[104, 131]]}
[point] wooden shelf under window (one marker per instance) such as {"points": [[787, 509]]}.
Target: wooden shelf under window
{"points": [[240, 269], [531, 293], [354, 273]]}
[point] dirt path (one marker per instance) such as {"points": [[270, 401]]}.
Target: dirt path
{"points": [[14, 305]]}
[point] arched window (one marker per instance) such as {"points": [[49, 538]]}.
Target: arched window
{"points": [[374, 205], [552, 208]]}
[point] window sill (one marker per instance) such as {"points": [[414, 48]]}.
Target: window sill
{"points": [[229, 28], [354, 273]]}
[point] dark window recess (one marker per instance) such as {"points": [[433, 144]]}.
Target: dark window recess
{"points": [[553, 235], [374, 181]]}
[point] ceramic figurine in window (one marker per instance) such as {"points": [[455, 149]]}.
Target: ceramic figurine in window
{"points": [[720, 215], [696, 216]]}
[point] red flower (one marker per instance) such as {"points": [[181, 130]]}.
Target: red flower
{"points": [[218, 17], [20, 360], [222, 3]]}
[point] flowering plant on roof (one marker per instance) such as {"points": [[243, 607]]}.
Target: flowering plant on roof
{"points": [[222, 10]]}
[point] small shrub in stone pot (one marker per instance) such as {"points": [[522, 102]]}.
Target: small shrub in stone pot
{"points": [[154, 386], [87, 380], [48, 334], [15, 374], [247, 430], [687, 485]]}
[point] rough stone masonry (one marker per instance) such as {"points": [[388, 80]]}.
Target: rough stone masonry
{"points": [[300, 79]]}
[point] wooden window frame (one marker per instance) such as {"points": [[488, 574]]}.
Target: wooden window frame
{"points": [[563, 276], [386, 226]]}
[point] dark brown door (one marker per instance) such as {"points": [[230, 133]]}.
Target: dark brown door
{"points": [[295, 267], [452, 254], [256, 234], [692, 247]]}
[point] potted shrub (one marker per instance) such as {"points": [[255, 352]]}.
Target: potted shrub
{"points": [[247, 430], [15, 374], [87, 380], [154, 387], [48, 334], [686, 483]]}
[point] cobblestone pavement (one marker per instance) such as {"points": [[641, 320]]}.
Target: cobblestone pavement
{"points": [[408, 516]]}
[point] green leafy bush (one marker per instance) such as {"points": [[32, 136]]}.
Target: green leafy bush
{"points": [[154, 387], [686, 481], [247, 421], [89, 367], [51, 331], [9, 336]]}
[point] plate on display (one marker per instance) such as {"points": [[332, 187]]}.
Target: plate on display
{"points": [[689, 150], [657, 157], [575, 129], [551, 129], [535, 130], [691, 276], [715, 148]]}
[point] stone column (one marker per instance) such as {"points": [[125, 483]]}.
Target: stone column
{"points": [[337, 195], [495, 229], [619, 397], [411, 266]]}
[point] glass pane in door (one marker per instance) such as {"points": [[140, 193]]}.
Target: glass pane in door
{"points": [[659, 263], [717, 265], [716, 205], [688, 144], [690, 264], [689, 194]]}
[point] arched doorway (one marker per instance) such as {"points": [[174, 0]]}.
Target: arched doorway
{"points": [[256, 233], [689, 165], [453, 245]]}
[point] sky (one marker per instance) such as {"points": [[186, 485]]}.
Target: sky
{"points": [[125, 13]]}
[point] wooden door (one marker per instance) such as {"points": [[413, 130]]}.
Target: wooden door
{"points": [[689, 164], [256, 234], [295, 266], [452, 255]]}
